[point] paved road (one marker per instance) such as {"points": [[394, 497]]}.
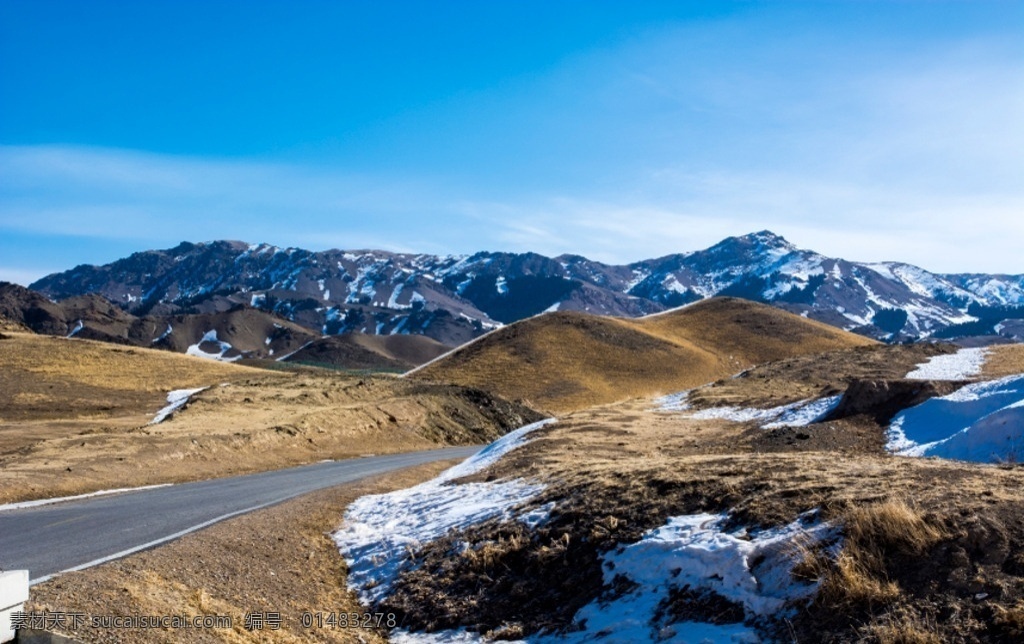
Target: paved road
{"points": [[77, 534]]}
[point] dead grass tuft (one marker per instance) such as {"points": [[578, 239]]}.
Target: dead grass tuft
{"points": [[875, 534], [891, 525], [902, 628], [1009, 622]]}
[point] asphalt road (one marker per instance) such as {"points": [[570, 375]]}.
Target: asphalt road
{"points": [[73, 535]]}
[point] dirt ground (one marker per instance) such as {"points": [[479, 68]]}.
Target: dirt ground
{"points": [[277, 560]]}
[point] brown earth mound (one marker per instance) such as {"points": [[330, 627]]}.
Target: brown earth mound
{"points": [[360, 351], [566, 360]]}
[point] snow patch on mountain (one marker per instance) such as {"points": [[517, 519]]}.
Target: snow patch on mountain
{"points": [[798, 414], [168, 331], [210, 337]]}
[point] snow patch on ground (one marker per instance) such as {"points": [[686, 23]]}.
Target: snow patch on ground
{"points": [[962, 365], [752, 569], [798, 414], [804, 413], [674, 402], [211, 337], [382, 530], [175, 400], [981, 422], [78, 327]]}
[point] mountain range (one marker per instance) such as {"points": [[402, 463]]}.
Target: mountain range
{"points": [[455, 298]]}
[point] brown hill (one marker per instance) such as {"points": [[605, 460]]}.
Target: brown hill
{"points": [[75, 416], [361, 351], [566, 360]]}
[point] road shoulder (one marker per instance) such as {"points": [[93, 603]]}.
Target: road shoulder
{"points": [[278, 560]]}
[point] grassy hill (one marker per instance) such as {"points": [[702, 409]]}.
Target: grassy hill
{"points": [[75, 416], [567, 360], [362, 351]]}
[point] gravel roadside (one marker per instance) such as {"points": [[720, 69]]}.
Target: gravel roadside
{"points": [[279, 561]]}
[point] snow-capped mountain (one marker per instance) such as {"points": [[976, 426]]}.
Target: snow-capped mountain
{"points": [[454, 298]]}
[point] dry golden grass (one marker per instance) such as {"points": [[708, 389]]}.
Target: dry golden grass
{"points": [[889, 525], [566, 361], [857, 576], [902, 628], [748, 332], [1010, 621], [72, 423], [1004, 360], [32, 360]]}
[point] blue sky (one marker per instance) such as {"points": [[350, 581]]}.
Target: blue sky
{"points": [[868, 130]]}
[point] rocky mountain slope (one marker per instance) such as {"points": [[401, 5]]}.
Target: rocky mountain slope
{"points": [[455, 298], [240, 332]]}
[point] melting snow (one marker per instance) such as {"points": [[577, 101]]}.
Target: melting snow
{"points": [[964, 364], [164, 334], [804, 413], [501, 285], [798, 414], [380, 530], [981, 422], [175, 400], [78, 327], [753, 570], [211, 337]]}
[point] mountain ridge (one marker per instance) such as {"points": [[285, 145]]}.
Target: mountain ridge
{"points": [[454, 298]]}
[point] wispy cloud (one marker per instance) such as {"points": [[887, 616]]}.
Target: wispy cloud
{"points": [[869, 148]]}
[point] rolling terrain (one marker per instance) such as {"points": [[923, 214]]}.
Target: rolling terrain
{"points": [[760, 498], [78, 415], [765, 507], [563, 361]]}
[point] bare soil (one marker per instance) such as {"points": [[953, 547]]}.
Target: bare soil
{"points": [[277, 560]]}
